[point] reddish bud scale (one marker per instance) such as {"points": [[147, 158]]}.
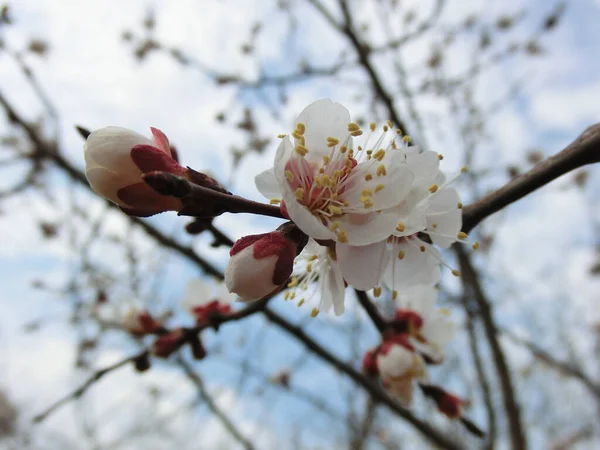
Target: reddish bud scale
{"points": [[168, 343], [204, 312], [369, 364]]}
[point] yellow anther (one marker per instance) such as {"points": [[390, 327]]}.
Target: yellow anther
{"points": [[369, 152], [400, 227], [440, 156], [407, 139], [398, 131], [475, 245], [389, 123], [343, 149], [394, 146], [368, 177], [345, 203], [444, 311], [385, 128], [353, 127], [301, 150], [297, 135], [367, 192], [401, 254], [300, 303], [286, 296], [434, 225], [377, 291], [312, 257], [292, 296], [394, 294], [325, 160], [381, 172], [314, 313], [368, 203], [342, 236], [349, 161], [293, 282], [459, 205], [462, 235], [433, 188], [299, 193], [350, 155], [300, 127], [333, 196], [275, 201], [325, 180], [334, 226], [372, 126], [334, 209], [422, 248], [356, 133], [332, 142], [281, 136], [309, 267], [317, 181], [379, 187], [379, 154], [289, 175], [359, 148], [464, 169], [456, 273]]}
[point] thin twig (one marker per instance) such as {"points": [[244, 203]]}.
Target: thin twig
{"points": [[371, 310], [472, 286], [204, 395]]}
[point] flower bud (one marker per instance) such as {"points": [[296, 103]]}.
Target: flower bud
{"points": [[168, 343], [399, 367], [140, 323], [116, 158], [261, 264], [448, 404]]}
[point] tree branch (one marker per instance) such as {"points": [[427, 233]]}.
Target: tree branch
{"points": [[472, 286], [376, 393], [584, 150], [372, 311], [204, 395]]}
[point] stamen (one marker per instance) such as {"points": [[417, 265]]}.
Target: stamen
{"points": [[300, 303], [475, 245], [289, 175], [381, 170], [433, 188], [440, 156], [377, 291], [379, 187], [462, 235], [332, 142], [368, 177], [401, 254], [342, 236], [314, 313], [275, 201], [353, 127], [400, 227], [456, 273], [300, 127], [281, 136], [394, 294], [459, 205], [299, 193], [301, 150], [372, 126]]}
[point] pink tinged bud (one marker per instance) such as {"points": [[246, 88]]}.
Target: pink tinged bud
{"points": [[140, 323], [168, 343], [448, 404], [203, 313], [369, 364], [399, 368], [260, 265], [115, 160]]}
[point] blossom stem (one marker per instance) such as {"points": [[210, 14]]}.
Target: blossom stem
{"points": [[371, 310], [197, 197]]}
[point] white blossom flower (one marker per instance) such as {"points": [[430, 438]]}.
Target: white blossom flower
{"points": [[317, 274], [115, 160], [399, 368], [202, 299], [435, 329], [329, 188]]}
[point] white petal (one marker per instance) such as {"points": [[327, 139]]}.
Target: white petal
{"points": [[107, 183], [333, 290], [443, 201], [303, 218], [197, 292], [267, 184], [110, 147], [420, 298], [447, 225], [323, 119], [396, 184], [362, 267], [415, 268], [425, 167], [396, 362], [364, 229], [248, 277], [283, 155]]}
